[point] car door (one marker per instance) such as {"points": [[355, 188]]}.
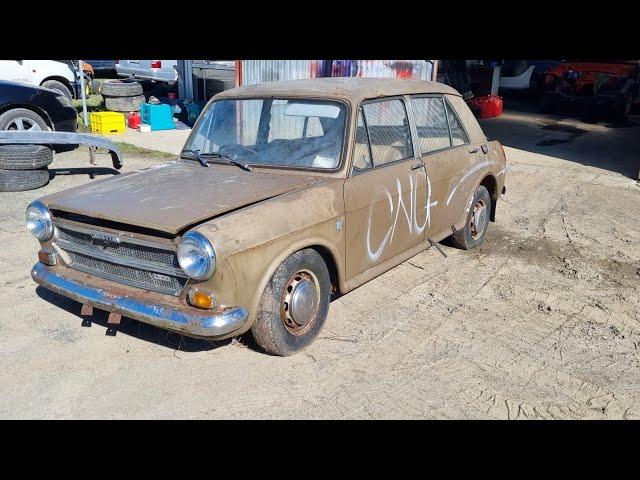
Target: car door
{"points": [[15, 70], [385, 193], [447, 155]]}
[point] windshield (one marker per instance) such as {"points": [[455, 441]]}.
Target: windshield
{"points": [[274, 131]]}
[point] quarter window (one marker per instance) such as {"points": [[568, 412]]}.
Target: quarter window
{"points": [[458, 136], [361, 156], [431, 123], [388, 129]]}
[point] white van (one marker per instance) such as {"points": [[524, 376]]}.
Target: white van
{"points": [[55, 75], [157, 70]]}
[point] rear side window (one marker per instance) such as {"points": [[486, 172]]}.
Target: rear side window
{"points": [[361, 157], [431, 123], [389, 132], [458, 136]]}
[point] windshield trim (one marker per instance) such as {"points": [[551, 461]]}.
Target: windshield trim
{"points": [[345, 133]]}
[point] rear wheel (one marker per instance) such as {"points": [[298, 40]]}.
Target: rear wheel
{"points": [[472, 235], [59, 86], [294, 304]]}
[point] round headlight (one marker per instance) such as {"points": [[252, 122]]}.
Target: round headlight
{"points": [[196, 256], [39, 221]]}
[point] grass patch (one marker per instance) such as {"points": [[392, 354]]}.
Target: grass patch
{"points": [[132, 149]]}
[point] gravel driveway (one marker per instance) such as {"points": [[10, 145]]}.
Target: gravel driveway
{"points": [[543, 321]]}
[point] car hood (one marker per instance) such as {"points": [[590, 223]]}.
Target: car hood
{"points": [[171, 197]]}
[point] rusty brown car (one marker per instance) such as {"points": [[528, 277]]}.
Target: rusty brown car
{"points": [[285, 195]]}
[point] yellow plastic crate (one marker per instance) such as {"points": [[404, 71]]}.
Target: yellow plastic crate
{"points": [[107, 122]]}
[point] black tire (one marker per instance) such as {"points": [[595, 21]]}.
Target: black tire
{"points": [[20, 180], [96, 87], [124, 104], [59, 86], [547, 103], [121, 88], [24, 157], [270, 330], [472, 235], [8, 118]]}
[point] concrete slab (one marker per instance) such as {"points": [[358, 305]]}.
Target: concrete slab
{"points": [[170, 141]]}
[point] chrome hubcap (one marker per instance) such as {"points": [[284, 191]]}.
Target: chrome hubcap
{"points": [[300, 302], [478, 219], [23, 123]]}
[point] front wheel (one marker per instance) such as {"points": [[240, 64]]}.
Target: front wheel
{"points": [[294, 304], [472, 235]]}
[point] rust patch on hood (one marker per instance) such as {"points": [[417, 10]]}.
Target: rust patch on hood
{"points": [[173, 196]]}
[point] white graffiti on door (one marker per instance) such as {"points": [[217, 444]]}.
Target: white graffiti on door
{"points": [[411, 216], [469, 172]]}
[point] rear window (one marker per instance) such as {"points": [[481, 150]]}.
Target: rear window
{"points": [[431, 123]]}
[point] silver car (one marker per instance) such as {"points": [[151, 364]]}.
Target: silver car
{"points": [[157, 70]]}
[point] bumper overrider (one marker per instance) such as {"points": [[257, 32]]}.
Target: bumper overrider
{"points": [[187, 320]]}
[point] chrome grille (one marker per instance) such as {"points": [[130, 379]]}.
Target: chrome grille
{"points": [[122, 259]]}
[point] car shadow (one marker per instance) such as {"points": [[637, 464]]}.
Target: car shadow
{"points": [[92, 172], [139, 330], [588, 140]]}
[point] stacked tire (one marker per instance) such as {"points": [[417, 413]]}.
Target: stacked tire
{"points": [[122, 95], [24, 167]]}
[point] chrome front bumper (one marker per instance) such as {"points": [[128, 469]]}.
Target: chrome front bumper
{"points": [[190, 321]]}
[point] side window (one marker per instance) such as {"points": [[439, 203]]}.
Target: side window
{"points": [[389, 132], [458, 137], [361, 157], [431, 123]]}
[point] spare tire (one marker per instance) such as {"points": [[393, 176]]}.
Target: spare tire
{"points": [[121, 88], [20, 180], [24, 157], [124, 104], [96, 87]]}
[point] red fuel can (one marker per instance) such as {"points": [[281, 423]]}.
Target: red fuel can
{"points": [[134, 120], [486, 106]]}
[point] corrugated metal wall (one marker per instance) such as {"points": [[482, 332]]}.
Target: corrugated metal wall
{"points": [[258, 71]]}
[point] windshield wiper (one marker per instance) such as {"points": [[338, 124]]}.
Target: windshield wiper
{"points": [[196, 154], [205, 163], [230, 161]]}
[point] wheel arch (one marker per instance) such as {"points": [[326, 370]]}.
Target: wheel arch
{"points": [[490, 182], [33, 108], [62, 80]]}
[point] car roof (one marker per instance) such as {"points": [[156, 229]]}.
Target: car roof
{"points": [[352, 89]]}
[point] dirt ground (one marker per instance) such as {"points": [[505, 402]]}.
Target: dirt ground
{"points": [[543, 321]]}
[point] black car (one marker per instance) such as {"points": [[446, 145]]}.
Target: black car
{"points": [[26, 107]]}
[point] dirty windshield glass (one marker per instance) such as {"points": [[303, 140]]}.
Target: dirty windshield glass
{"points": [[285, 132]]}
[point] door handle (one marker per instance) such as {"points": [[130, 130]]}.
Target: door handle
{"points": [[474, 150], [418, 166]]}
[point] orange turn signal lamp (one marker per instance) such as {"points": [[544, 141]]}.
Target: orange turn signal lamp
{"points": [[201, 299], [47, 258]]}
